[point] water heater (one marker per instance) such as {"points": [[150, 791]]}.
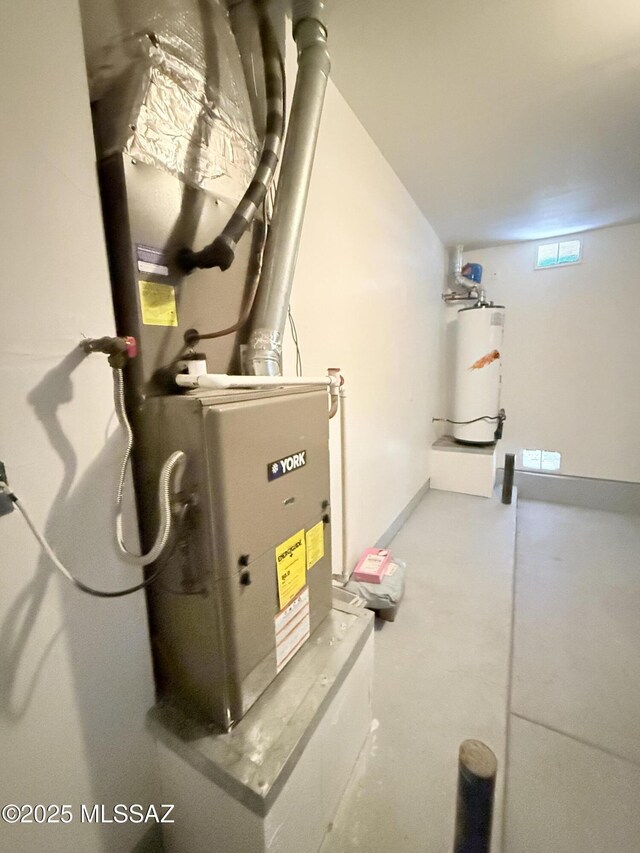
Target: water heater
{"points": [[478, 373]]}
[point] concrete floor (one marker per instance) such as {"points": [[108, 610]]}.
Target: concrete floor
{"points": [[441, 676], [573, 781]]}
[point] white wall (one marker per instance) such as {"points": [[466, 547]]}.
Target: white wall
{"points": [[571, 352], [366, 298], [75, 673]]}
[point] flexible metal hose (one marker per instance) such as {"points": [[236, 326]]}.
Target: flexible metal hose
{"points": [[164, 485], [164, 501]]}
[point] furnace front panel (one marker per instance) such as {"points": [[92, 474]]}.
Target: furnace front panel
{"points": [[213, 610]]}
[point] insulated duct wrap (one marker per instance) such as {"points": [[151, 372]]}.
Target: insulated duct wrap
{"points": [[172, 96]]}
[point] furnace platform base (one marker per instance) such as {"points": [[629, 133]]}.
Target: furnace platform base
{"points": [[275, 781]]}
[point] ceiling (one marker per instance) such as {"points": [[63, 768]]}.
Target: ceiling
{"points": [[505, 119]]}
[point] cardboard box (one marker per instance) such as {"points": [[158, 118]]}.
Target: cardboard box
{"points": [[372, 565]]}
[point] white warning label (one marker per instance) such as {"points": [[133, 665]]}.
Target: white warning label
{"points": [[293, 628]]}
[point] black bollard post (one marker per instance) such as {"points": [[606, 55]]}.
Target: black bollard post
{"points": [[507, 483], [477, 767]]}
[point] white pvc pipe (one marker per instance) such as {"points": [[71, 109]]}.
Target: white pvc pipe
{"points": [[343, 482], [225, 380]]}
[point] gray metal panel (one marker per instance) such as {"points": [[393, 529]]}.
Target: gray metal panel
{"points": [[213, 636], [143, 205], [252, 513], [190, 641]]}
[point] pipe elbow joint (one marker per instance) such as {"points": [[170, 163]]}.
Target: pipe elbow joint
{"points": [[302, 10], [310, 36], [221, 253], [316, 55]]}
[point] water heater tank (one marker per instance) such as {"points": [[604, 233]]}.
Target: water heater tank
{"points": [[478, 373]]}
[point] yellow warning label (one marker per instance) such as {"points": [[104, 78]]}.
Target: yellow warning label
{"points": [[158, 304], [291, 565], [315, 544]]}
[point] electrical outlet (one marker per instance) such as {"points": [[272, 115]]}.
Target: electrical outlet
{"points": [[6, 504]]}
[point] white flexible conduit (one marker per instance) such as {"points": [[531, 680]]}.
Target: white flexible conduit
{"points": [[164, 502], [99, 593], [346, 573], [164, 486]]}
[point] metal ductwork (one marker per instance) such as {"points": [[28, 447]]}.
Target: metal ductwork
{"points": [[471, 289], [457, 278], [264, 350]]}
